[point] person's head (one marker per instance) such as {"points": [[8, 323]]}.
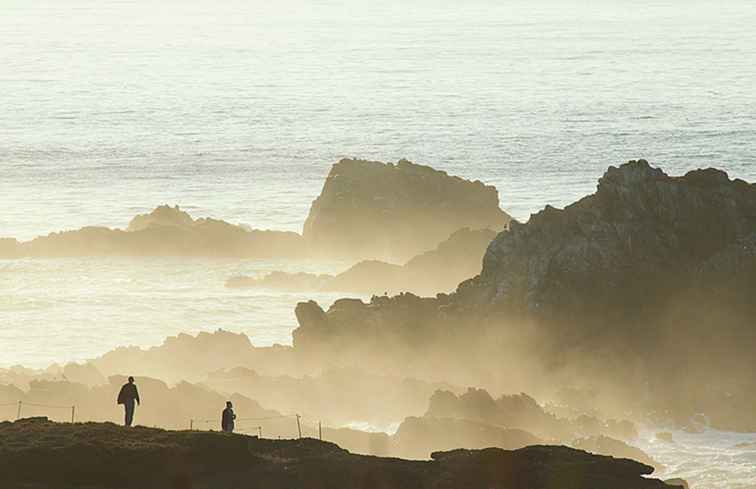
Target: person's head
{"points": [[131, 380], [229, 405]]}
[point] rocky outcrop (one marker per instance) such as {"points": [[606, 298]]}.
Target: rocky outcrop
{"points": [[638, 240], [513, 411], [373, 210], [604, 445], [338, 396], [39, 454], [439, 270], [163, 215], [167, 231], [10, 248], [418, 437], [187, 357], [636, 275]]}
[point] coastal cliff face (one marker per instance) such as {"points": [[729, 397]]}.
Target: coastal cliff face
{"points": [[35, 453], [628, 283], [641, 238], [373, 210]]}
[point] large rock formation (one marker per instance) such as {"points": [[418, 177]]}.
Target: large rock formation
{"points": [[166, 231], [38, 454], [372, 210], [623, 284], [439, 270]]}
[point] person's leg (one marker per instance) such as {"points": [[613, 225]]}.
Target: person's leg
{"points": [[129, 413]]}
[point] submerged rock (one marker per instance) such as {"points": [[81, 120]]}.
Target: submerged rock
{"points": [[373, 210], [39, 454]]}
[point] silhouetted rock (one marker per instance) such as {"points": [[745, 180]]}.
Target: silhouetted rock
{"points": [[10, 248], [438, 270], [163, 215], [167, 231], [86, 374], [603, 445], [336, 396], [511, 411], [372, 210], [615, 290], [187, 357], [39, 454], [418, 437]]}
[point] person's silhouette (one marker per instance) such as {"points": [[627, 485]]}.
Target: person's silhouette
{"points": [[129, 396], [227, 418]]}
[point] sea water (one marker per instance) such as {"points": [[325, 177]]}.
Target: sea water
{"points": [[237, 109]]}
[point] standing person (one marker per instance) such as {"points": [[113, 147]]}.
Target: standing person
{"points": [[227, 418], [128, 396]]}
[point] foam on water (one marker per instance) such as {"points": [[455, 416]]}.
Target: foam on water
{"points": [[708, 460], [236, 109]]}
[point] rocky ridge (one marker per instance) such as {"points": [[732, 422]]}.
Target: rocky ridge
{"points": [[36, 453], [637, 274]]}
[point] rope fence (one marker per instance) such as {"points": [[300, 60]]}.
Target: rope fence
{"points": [[193, 423], [20, 407]]}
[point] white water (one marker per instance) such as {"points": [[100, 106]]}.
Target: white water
{"points": [[236, 109], [708, 460]]}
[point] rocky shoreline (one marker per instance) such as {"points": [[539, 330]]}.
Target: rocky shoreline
{"points": [[35, 453]]}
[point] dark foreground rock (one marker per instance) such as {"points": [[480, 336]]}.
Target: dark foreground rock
{"points": [[39, 454], [439, 270], [373, 210]]}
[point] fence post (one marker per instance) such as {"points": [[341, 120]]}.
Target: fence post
{"points": [[320, 431], [259, 432], [191, 425], [299, 426], [73, 413], [18, 414]]}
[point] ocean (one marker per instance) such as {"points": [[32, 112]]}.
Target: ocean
{"points": [[237, 109]]}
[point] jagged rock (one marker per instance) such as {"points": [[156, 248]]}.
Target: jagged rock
{"points": [[166, 231], [622, 284], [418, 437], [438, 270], [372, 210], [163, 215], [187, 357], [604, 445], [513, 411], [633, 243], [42, 454], [86, 374]]}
